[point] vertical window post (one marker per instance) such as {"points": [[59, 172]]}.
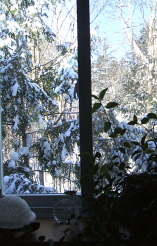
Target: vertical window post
{"points": [[85, 105], [1, 164]]}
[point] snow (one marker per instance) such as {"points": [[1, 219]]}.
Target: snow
{"points": [[14, 156], [68, 162], [28, 140], [16, 123], [6, 179], [57, 89], [6, 42], [24, 151], [11, 164], [67, 133], [40, 119], [63, 153], [31, 10], [61, 137], [47, 149], [18, 183], [51, 163]]}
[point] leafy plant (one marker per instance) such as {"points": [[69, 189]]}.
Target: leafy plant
{"points": [[125, 201], [134, 142]]}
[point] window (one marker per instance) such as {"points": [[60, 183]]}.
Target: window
{"points": [[23, 106], [128, 70]]}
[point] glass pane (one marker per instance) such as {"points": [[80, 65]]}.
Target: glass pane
{"points": [[40, 127], [123, 52]]}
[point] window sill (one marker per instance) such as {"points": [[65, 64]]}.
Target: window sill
{"points": [[43, 204]]}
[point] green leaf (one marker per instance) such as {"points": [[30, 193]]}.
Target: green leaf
{"points": [[107, 126], [132, 123], [102, 94], [97, 155], [135, 118], [139, 155], [127, 145], [122, 166], [114, 157], [145, 146], [113, 135], [152, 116], [136, 152], [97, 98], [96, 106], [123, 131], [149, 151], [152, 157], [112, 105], [135, 143], [143, 139], [122, 150], [105, 171], [145, 120], [119, 130]]}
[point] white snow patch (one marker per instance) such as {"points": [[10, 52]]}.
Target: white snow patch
{"points": [[28, 140], [24, 151], [11, 164], [47, 149], [14, 156], [6, 179], [61, 137], [16, 120], [63, 154], [14, 89]]}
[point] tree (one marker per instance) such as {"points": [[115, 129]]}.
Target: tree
{"points": [[29, 90], [136, 23], [141, 36]]}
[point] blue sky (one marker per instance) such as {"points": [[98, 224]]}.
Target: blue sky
{"points": [[109, 23]]}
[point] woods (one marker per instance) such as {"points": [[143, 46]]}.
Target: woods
{"points": [[39, 87]]}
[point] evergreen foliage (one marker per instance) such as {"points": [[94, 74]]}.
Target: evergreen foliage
{"points": [[36, 90]]}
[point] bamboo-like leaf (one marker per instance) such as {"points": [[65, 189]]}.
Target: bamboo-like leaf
{"points": [[132, 123], [97, 98], [137, 157], [119, 130], [136, 152], [105, 171], [152, 116], [145, 146], [122, 166], [113, 135], [97, 155], [107, 126], [143, 139], [135, 118], [112, 105], [135, 143], [102, 94], [122, 150], [149, 151], [152, 157], [145, 120], [96, 106], [127, 145]]}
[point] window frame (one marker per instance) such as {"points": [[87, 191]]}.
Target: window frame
{"points": [[42, 204]]}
